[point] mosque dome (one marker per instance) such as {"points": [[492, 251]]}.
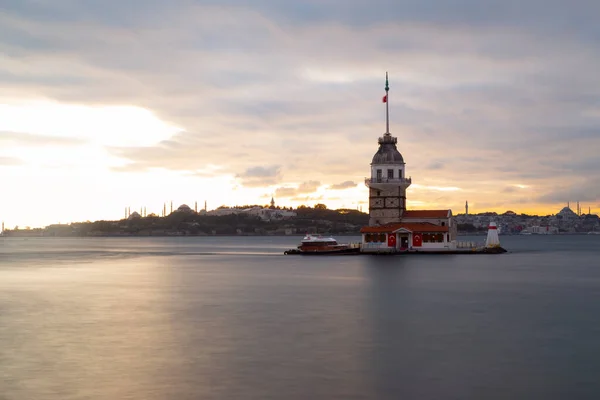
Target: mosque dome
{"points": [[566, 212], [184, 208], [388, 152], [134, 215]]}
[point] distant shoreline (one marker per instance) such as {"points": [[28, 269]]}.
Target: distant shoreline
{"points": [[35, 235]]}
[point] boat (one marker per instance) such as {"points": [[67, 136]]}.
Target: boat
{"points": [[319, 245]]}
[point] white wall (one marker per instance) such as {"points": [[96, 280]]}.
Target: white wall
{"points": [[385, 167]]}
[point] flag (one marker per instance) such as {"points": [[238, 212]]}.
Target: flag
{"points": [[384, 99]]}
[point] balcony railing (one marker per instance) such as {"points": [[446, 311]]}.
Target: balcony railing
{"points": [[391, 181]]}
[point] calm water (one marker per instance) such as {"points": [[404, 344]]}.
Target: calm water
{"points": [[232, 318]]}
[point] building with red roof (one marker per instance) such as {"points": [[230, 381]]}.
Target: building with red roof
{"points": [[392, 228]]}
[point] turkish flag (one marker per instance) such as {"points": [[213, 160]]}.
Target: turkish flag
{"points": [[417, 240], [391, 240], [384, 99]]}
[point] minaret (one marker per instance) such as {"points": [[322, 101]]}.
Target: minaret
{"points": [[467, 207], [196, 207], [171, 207], [388, 183], [205, 209], [272, 202]]}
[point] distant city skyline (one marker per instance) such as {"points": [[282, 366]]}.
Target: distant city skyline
{"points": [[104, 106]]}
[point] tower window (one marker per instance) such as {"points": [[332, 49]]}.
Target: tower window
{"points": [[379, 175], [390, 174], [378, 193], [400, 173]]}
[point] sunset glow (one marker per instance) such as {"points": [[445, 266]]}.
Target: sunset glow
{"points": [[233, 104]]}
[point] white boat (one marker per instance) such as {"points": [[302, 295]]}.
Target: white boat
{"points": [[317, 244]]}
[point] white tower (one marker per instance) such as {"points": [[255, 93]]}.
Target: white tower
{"points": [[492, 236], [388, 183]]}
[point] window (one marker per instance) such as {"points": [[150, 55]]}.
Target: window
{"points": [[390, 174], [379, 175], [443, 223], [399, 173], [379, 193]]}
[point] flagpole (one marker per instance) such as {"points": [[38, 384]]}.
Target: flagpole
{"points": [[387, 107]]}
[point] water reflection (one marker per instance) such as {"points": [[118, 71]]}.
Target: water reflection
{"points": [[521, 325]]}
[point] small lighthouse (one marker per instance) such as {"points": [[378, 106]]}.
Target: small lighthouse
{"points": [[492, 241]]}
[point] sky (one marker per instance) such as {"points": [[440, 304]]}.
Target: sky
{"points": [[106, 105]]}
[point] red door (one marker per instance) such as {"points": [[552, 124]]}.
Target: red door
{"points": [[391, 240], [417, 240]]}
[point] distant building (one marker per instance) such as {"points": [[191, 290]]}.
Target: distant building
{"points": [[134, 215], [184, 208]]}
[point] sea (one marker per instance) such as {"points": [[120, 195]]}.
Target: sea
{"points": [[233, 318]]}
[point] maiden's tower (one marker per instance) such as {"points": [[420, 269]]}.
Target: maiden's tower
{"points": [[393, 228]]}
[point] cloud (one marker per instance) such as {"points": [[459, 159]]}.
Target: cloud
{"points": [[482, 95], [304, 188], [261, 172], [308, 187], [584, 190], [9, 161], [29, 139], [343, 185], [435, 165], [285, 192], [260, 176]]}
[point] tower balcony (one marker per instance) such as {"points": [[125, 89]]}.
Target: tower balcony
{"points": [[382, 183]]}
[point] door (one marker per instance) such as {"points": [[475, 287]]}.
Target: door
{"points": [[404, 242]]}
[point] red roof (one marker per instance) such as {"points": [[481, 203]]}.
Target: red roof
{"points": [[426, 213], [413, 227]]}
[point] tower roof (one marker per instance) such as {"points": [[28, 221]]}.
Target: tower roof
{"points": [[388, 152]]}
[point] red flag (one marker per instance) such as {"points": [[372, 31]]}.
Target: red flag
{"points": [[385, 98], [417, 240], [391, 240]]}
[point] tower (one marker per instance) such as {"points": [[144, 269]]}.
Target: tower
{"points": [[467, 207], [272, 202], [388, 183]]}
